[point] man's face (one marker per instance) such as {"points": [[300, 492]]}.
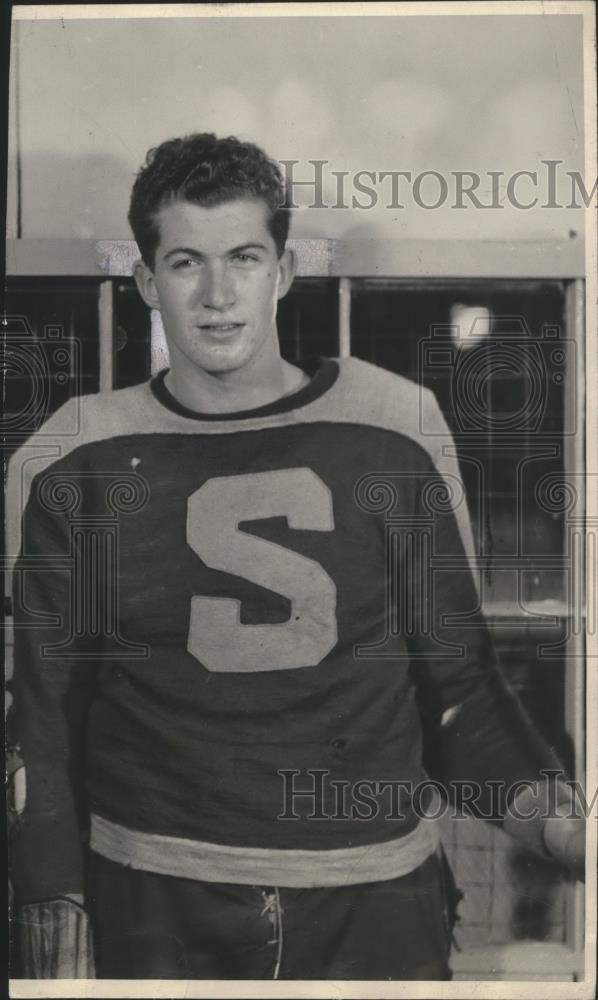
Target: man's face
{"points": [[216, 280]]}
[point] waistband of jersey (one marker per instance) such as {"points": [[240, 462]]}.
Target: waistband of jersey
{"points": [[289, 868]]}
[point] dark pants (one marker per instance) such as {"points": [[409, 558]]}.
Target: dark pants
{"points": [[149, 926]]}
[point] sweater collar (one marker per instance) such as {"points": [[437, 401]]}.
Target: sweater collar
{"points": [[323, 373]]}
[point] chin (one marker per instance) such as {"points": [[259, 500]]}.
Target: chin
{"points": [[228, 357], [223, 362]]}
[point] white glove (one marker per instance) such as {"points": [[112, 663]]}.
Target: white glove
{"points": [[55, 940], [555, 830], [565, 840]]}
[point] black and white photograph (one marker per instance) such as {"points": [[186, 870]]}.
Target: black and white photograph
{"points": [[301, 475]]}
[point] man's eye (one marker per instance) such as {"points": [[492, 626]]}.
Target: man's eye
{"points": [[245, 258], [184, 263]]}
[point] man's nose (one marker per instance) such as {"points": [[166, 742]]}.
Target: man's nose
{"points": [[218, 290]]}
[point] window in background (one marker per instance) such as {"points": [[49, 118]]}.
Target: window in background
{"points": [[132, 336], [501, 386]]}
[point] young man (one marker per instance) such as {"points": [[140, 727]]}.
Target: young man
{"points": [[208, 689]]}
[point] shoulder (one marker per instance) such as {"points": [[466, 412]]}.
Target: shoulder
{"points": [[80, 422], [375, 396], [83, 420], [97, 415], [379, 398]]}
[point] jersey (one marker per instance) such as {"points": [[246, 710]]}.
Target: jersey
{"points": [[224, 622]]}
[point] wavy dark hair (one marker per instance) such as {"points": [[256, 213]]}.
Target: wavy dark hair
{"points": [[205, 170]]}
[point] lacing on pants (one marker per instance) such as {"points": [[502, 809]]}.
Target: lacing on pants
{"points": [[274, 911]]}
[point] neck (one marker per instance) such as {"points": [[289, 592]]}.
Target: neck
{"points": [[228, 392]]}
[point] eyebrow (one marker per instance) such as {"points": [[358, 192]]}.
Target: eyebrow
{"points": [[197, 253]]}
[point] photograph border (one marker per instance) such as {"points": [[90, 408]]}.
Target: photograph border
{"points": [[376, 989]]}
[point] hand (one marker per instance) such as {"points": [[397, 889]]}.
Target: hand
{"points": [[565, 840], [555, 830]]}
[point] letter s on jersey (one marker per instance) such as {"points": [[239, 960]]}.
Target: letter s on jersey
{"points": [[216, 636]]}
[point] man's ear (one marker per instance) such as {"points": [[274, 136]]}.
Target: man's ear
{"points": [[146, 285], [287, 269]]}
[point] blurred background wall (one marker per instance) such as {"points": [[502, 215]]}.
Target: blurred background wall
{"points": [[478, 93]]}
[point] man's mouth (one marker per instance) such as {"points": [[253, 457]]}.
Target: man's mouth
{"points": [[221, 327]]}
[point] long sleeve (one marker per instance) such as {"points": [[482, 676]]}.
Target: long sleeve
{"points": [[52, 688], [477, 730]]}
